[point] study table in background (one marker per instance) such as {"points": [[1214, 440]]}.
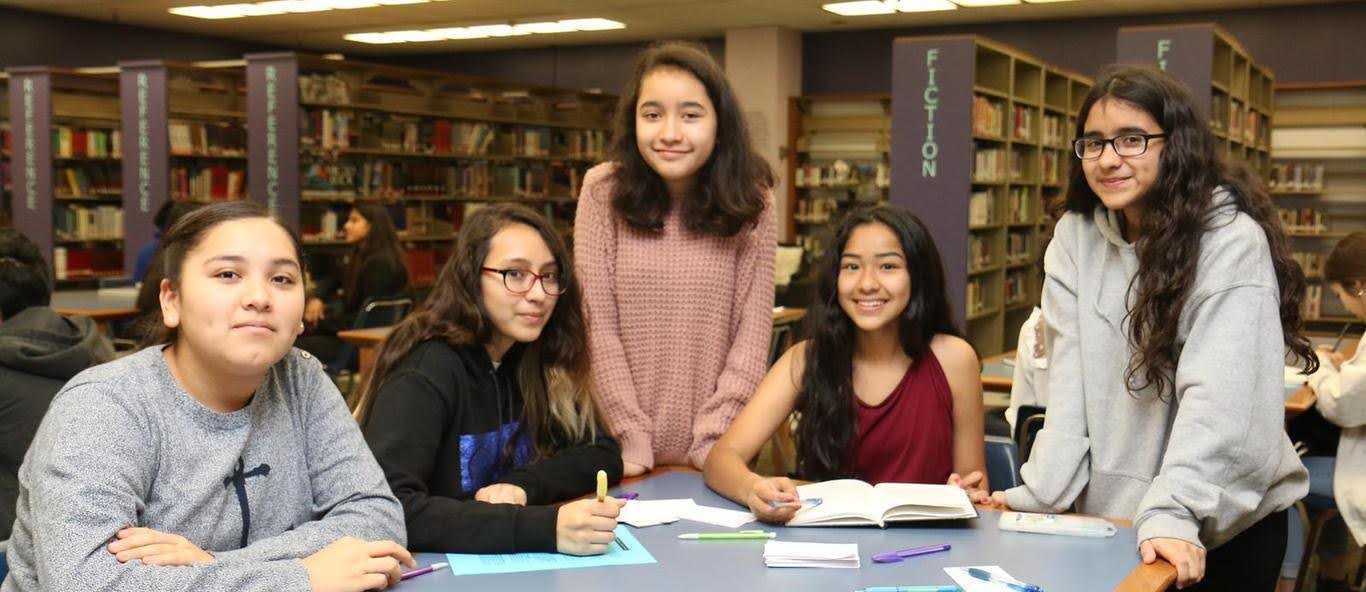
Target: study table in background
{"points": [[1056, 563], [104, 305]]}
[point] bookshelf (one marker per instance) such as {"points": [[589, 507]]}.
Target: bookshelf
{"points": [[66, 166], [1239, 91], [1317, 180], [187, 129], [983, 131], [841, 147], [325, 134]]}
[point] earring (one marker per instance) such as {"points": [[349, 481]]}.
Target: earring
{"points": [[301, 325]]}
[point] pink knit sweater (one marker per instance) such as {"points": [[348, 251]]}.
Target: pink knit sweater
{"points": [[678, 325]]}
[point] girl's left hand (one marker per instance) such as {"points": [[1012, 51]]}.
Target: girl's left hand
{"points": [[501, 493], [972, 484], [156, 548], [1332, 357]]}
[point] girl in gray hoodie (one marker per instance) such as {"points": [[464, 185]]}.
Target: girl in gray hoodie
{"points": [[1171, 299]]}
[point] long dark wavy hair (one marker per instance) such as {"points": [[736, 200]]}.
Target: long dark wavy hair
{"points": [[826, 397], [1176, 216], [553, 373], [731, 185], [380, 242]]}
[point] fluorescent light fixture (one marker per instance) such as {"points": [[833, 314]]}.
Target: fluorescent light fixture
{"points": [[860, 8], [976, 3], [924, 5], [483, 31], [274, 7], [1046, 1]]}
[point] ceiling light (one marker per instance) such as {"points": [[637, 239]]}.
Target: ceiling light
{"points": [[1046, 1], [860, 8], [976, 3], [274, 7], [482, 31], [924, 5]]}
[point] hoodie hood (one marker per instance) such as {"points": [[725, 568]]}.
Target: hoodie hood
{"points": [[1111, 226], [41, 342]]}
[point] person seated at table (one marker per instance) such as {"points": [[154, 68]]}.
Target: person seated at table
{"points": [[480, 406], [886, 389], [170, 211], [374, 269], [1340, 390], [39, 351], [219, 459]]}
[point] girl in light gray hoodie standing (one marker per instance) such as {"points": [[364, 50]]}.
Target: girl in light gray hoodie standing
{"points": [[1171, 300]]}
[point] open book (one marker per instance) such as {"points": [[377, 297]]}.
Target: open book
{"points": [[850, 502]]}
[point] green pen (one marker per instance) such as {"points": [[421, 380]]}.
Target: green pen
{"points": [[728, 536]]}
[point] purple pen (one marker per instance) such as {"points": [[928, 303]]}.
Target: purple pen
{"points": [[424, 570], [895, 556], [627, 495]]}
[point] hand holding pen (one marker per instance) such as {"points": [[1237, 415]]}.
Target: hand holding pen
{"points": [[773, 499], [585, 527]]}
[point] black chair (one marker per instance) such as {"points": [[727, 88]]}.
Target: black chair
{"points": [[1028, 421], [375, 312]]}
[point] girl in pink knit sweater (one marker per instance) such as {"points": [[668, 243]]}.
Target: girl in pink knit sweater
{"points": [[675, 240]]}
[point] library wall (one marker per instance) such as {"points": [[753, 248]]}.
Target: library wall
{"points": [[30, 38], [1328, 44]]}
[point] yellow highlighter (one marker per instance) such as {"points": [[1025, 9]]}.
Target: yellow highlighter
{"points": [[602, 485]]}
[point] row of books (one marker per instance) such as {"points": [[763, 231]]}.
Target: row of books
{"points": [[80, 142], [842, 173], [1302, 220], [76, 263], [396, 179], [1310, 262], [976, 296], [979, 252], [988, 116], [1024, 123], [1017, 246], [1055, 130], [331, 129], [1016, 287], [1312, 308], [817, 210], [981, 208], [1020, 205], [98, 179], [207, 183], [80, 222], [988, 164], [1300, 176], [208, 139], [1052, 166]]}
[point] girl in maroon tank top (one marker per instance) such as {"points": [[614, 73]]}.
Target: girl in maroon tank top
{"points": [[886, 389]]}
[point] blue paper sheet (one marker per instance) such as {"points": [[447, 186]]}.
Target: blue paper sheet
{"points": [[463, 564]]}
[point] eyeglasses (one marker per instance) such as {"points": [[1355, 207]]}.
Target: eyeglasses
{"points": [[1125, 145], [520, 281]]}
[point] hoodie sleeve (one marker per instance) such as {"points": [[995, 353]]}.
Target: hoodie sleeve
{"points": [[570, 473], [1341, 392]]}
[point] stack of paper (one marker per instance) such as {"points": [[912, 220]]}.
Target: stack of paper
{"points": [[642, 513], [792, 554]]}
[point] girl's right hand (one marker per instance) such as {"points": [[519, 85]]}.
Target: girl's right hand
{"points": [[585, 527], [354, 565], [997, 501], [772, 489]]}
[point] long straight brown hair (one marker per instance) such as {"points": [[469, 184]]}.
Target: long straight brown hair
{"points": [[553, 373]]}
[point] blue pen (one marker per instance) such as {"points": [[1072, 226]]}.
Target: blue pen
{"points": [[983, 574], [911, 589], [810, 501]]}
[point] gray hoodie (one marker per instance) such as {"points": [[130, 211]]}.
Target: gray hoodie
{"points": [[39, 351], [1203, 465]]}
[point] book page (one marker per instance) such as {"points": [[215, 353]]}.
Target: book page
{"points": [[843, 501], [921, 501]]}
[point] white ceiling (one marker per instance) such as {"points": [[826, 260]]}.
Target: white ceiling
{"points": [[645, 19]]}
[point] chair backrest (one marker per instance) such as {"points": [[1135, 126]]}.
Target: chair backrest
{"points": [[379, 313], [1027, 425], [782, 338], [1003, 463], [4, 565]]}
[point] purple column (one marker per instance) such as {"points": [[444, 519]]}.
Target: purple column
{"points": [[146, 182], [30, 104], [1184, 51], [273, 133]]}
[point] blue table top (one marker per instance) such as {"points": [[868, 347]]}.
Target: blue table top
{"points": [[1056, 563]]}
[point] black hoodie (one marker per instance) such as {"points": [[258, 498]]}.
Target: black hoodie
{"points": [[39, 351], [440, 426]]}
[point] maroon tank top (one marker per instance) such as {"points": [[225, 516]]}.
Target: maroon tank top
{"points": [[908, 438]]}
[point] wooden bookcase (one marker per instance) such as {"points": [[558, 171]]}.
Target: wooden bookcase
{"points": [[66, 165], [1318, 180], [431, 146], [841, 148], [981, 143], [186, 126], [1221, 74]]}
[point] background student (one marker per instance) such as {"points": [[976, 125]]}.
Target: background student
{"points": [[479, 408], [1340, 387], [374, 269], [220, 448], [1171, 269], [886, 388], [679, 223], [39, 351]]}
